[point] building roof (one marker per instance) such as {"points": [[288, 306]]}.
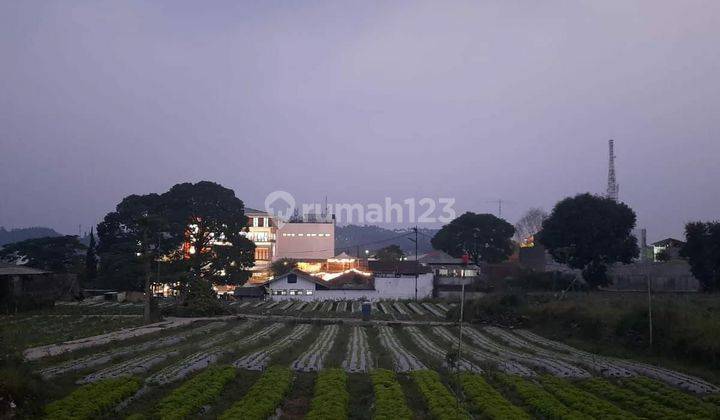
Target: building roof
{"points": [[397, 267], [341, 257], [20, 270], [249, 291], [252, 212], [436, 257], [669, 242]]}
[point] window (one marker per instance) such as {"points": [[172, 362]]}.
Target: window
{"points": [[292, 278], [262, 254], [284, 292], [308, 292], [261, 221]]}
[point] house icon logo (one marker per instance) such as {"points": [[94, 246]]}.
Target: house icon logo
{"points": [[281, 206]]}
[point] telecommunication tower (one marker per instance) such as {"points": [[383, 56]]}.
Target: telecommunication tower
{"points": [[613, 188]]}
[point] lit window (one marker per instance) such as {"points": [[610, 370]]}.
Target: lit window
{"points": [[284, 292], [308, 292]]}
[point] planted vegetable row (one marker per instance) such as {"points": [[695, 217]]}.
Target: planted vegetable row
{"points": [[442, 404], [488, 401], [92, 400], [389, 397], [201, 390], [330, 401], [264, 396]]}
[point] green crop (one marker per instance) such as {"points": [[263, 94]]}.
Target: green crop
{"points": [[631, 401], [263, 398], [670, 397], [189, 397], [330, 401], [582, 401], [488, 400], [92, 400], [542, 402], [442, 404], [389, 399]]}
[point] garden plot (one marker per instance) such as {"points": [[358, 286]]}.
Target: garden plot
{"points": [[300, 306], [327, 306], [273, 304], [205, 358], [443, 307], [625, 367], [341, 306], [101, 358], [594, 362], [356, 307], [433, 310], [551, 365], [36, 353], [416, 308], [134, 366], [312, 359], [285, 306], [403, 360], [244, 304], [358, 357], [400, 308], [312, 306], [437, 352], [259, 304], [385, 308], [259, 359], [508, 366]]}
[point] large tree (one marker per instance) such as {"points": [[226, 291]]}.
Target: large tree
{"points": [[211, 220], [702, 250], [483, 237], [91, 261], [63, 254], [282, 266], [132, 238], [588, 233], [390, 253]]}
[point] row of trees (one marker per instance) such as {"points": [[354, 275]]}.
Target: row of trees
{"points": [[585, 232]]}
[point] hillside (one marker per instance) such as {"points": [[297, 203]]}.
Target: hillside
{"points": [[349, 238]]}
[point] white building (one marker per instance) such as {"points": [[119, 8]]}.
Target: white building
{"points": [[302, 286]]}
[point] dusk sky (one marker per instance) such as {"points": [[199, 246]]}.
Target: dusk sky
{"points": [[358, 101]]}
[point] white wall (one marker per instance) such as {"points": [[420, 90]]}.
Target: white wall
{"points": [[385, 288]]}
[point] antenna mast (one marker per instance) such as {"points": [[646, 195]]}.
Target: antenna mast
{"points": [[613, 188]]}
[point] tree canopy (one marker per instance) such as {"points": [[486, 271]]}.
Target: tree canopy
{"points": [[483, 237], [702, 250], [191, 233], [63, 254], [390, 253], [589, 232], [530, 223], [282, 266]]}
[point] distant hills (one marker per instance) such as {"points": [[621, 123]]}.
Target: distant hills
{"points": [[353, 239], [21, 234]]}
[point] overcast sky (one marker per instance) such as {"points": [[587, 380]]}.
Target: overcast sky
{"points": [[358, 101]]}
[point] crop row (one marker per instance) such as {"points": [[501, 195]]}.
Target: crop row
{"points": [[92, 400], [312, 359], [488, 401], [259, 359], [330, 401], [438, 352], [189, 397], [403, 360], [263, 398], [358, 357], [670, 397], [389, 398], [583, 401], [442, 404], [540, 401], [505, 365]]}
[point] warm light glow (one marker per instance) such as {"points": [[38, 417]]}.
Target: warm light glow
{"points": [[330, 276]]}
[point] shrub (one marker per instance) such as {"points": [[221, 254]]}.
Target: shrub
{"points": [[442, 404], [487, 400], [189, 397], [263, 398], [389, 399], [93, 400], [330, 401], [539, 400]]}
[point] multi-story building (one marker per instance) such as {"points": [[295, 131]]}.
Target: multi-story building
{"points": [[262, 231], [307, 239]]}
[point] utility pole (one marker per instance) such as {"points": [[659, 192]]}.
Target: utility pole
{"points": [[417, 263], [459, 352], [649, 289]]}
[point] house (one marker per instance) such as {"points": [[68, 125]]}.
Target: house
{"points": [[26, 288], [389, 281], [667, 249], [450, 274], [262, 231]]}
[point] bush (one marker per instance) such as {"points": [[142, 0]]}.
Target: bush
{"points": [[503, 308], [195, 393], [264, 396], [389, 397], [442, 404], [330, 401], [93, 400], [488, 401], [530, 280]]}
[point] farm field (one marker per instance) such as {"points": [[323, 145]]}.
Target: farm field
{"points": [[243, 366]]}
